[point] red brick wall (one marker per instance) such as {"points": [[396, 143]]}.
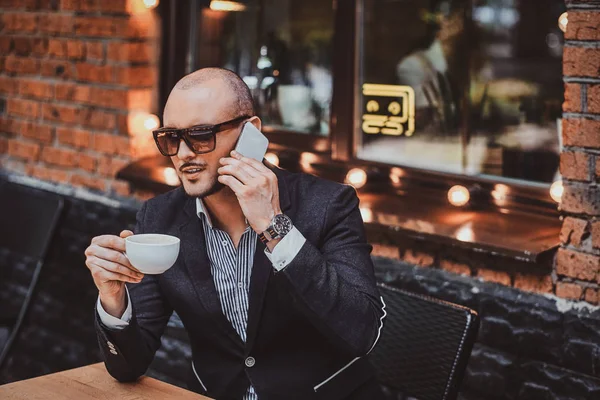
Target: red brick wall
{"points": [[71, 71], [578, 260]]}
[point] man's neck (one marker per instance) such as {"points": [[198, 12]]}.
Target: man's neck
{"points": [[225, 211]]}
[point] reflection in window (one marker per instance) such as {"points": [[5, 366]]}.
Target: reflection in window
{"points": [[487, 83], [282, 50]]}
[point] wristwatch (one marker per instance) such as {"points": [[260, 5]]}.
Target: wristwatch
{"points": [[280, 226]]}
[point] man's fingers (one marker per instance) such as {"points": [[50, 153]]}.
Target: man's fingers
{"points": [[125, 233], [240, 173], [113, 267], [102, 275], [110, 241], [235, 185], [259, 166]]}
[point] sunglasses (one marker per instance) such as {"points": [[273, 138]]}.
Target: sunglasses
{"points": [[200, 138]]}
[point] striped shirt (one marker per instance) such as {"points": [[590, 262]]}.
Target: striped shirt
{"points": [[231, 270]]}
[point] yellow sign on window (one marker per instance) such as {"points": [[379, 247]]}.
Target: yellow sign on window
{"points": [[389, 109]]}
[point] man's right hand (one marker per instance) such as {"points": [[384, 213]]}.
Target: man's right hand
{"points": [[110, 270]]}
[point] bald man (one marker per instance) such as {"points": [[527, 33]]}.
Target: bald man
{"points": [[274, 282]]}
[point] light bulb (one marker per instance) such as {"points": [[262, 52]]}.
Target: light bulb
{"points": [[356, 177], [458, 195], [556, 191], [170, 176], [563, 21], [225, 5]]}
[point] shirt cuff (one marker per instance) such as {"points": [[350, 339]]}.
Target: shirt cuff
{"points": [[112, 322], [287, 248]]}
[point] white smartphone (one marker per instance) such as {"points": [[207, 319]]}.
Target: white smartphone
{"points": [[252, 143]]}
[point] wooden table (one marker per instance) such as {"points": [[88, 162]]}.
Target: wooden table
{"points": [[92, 382]]}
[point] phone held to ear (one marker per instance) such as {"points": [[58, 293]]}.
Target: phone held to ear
{"points": [[252, 143]]}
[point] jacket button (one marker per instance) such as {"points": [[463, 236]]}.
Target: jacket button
{"points": [[250, 361]]}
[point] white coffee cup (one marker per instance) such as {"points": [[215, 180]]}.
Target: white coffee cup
{"points": [[152, 253]]}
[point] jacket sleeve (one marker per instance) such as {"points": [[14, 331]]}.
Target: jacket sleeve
{"points": [[334, 284], [128, 352]]}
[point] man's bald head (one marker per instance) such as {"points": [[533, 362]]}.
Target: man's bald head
{"points": [[244, 104]]}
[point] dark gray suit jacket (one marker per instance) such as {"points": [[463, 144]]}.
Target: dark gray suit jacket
{"points": [[309, 325]]}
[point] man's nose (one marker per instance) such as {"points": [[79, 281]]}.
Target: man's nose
{"points": [[184, 152]]}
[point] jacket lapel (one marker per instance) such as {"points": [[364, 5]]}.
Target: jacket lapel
{"points": [[197, 264], [262, 269]]}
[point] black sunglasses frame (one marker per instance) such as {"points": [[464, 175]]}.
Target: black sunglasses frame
{"points": [[206, 131]]}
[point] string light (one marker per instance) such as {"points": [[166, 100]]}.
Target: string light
{"points": [[150, 3], [556, 191], [170, 176], [563, 21], [458, 195], [356, 177]]}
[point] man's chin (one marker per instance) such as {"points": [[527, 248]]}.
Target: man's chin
{"points": [[198, 190]]}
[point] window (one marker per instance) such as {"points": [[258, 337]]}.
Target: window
{"points": [[282, 50], [462, 86]]}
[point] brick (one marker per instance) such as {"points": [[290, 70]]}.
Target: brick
{"points": [[97, 96], [121, 188], [20, 22], [99, 26], [121, 6], [73, 92], [140, 52], [8, 85], [21, 65], [36, 88], [57, 69], [575, 165], [111, 144], [597, 159], [580, 198], [95, 51], [6, 44], [140, 25], [94, 73], [56, 23], [50, 174], [38, 132], [23, 150], [573, 231], [60, 157], [418, 258], [596, 234], [140, 99], [57, 48], [570, 291], [27, 46], [25, 108], [39, 46], [494, 276], [572, 98], [583, 25], [455, 267], [581, 61], [581, 132], [110, 166], [74, 137], [593, 99], [381, 250], [136, 76], [10, 126], [98, 119], [75, 49], [533, 283], [577, 265], [592, 296], [87, 162], [89, 182], [61, 113], [3, 145]]}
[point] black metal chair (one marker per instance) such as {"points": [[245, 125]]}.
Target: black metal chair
{"points": [[424, 346], [28, 218]]}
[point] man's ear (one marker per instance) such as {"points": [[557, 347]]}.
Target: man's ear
{"points": [[256, 122]]}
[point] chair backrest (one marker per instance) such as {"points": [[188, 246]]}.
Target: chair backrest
{"points": [[424, 346], [28, 218]]}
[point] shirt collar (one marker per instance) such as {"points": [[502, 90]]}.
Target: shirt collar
{"points": [[201, 210]]}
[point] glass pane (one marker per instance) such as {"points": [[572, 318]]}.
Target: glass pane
{"points": [[282, 50], [516, 87], [472, 86], [414, 48]]}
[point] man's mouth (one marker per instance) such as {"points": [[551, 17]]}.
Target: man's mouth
{"points": [[191, 171]]}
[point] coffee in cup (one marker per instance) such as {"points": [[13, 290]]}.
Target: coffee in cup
{"points": [[152, 253]]}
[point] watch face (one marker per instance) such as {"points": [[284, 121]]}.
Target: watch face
{"points": [[282, 224]]}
